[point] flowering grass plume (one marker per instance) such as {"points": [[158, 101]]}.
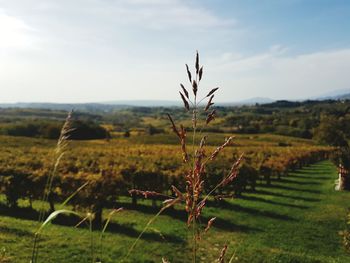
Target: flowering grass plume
{"points": [[194, 196]]}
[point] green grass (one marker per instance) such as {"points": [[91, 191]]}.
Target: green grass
{"points": [[296, 219]]}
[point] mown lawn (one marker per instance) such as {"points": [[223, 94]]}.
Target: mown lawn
{"points": [[297, 219]]}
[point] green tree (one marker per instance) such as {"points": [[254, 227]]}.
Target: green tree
{"points": [[330, 132]]}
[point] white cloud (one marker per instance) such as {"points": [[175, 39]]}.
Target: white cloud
{"points": [[282, 76], [151, 14], [238, 63], [15, 33], [86, 27], [160, 15], [91, 48]]}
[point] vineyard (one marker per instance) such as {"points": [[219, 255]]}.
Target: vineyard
{"points": [[113, 167], [110, 168]]}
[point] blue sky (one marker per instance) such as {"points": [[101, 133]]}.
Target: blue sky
{"points": [[103, 50]]}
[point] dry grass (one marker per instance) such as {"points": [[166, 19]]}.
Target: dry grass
{"points": [[196, 161], [59, 152]]}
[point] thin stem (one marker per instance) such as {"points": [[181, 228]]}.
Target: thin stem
{"points": [[144, 230], [213, 190], [91, 240], [201, 100], [194, 203], [59, 152], [34, 248]]}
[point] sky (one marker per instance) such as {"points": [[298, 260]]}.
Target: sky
{"points": [[110, 50]]}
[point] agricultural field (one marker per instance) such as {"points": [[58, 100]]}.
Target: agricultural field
{"points": [[296, 219], [268, 197], [287, 212]]}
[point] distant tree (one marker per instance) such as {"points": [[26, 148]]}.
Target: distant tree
{"points": [[151, 130], [330, 132], [87, 130], [50, 131], [127, 134], [26, 129], [14, 186]]}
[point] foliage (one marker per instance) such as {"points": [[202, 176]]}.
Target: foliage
{"points": [[131, 164], [296, 220], [83, 130], [297, 119], [87, 131], [330, 132]]}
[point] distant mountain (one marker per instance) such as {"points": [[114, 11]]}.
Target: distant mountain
{"points": [[169, 103], [108, 106], [89, 107], [259, 100], [344, 97], [145, 103], [252, 101], [342, 94], [121, 104]]}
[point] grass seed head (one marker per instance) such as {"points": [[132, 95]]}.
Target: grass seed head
{"points": [[187, 106], [222, 255], [210, 103], [209, 224], [194, 87], [200, 73], [220, 148], [210, 117], [212, 91], [197, 62], [185, 91], [189, 73]]}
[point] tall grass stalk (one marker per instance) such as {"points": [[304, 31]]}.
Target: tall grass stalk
{"points": [[59, 152], [92, 250], [194, 179], [51, 217], [108, 220], [168, 203], [48, 220], [72, 195]]}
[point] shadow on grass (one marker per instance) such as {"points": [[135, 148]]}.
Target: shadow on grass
{"points": [[129, 231], [181, 215], [255, 212], [300, 198], [20, 212], [15, 231], [259, 199], [311, 171], [65, 220], [293, 175], [301, 182], [289, 188]]}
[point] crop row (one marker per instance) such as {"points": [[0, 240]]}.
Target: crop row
{"points": [[113, 168]]}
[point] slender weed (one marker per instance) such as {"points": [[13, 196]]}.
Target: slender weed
{"points": [[59, 152], [194, 197]]}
